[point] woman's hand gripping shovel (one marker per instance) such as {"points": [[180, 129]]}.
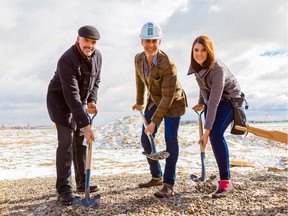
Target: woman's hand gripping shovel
{"points": [[154, 155], [87, 201]]}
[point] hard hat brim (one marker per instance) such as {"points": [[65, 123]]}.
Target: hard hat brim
{"points": [[149, 38]]}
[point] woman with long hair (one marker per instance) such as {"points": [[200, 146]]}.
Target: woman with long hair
{"points": [[217, 84]]}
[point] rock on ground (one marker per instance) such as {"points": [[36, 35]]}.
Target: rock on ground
{"points": [[259, 192]]}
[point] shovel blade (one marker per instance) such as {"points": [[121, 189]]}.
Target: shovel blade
{"points": [[161, 155], [195, 178], [92, 203]]}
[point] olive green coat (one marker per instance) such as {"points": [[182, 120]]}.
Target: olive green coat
{"points": [[163, 87]]}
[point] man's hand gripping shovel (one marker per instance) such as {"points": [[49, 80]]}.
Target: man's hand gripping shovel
{"points": [[87, 201], [154, 155]]}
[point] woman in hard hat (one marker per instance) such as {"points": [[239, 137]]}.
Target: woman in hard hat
{"points": [[216, 84], [156, 72]]}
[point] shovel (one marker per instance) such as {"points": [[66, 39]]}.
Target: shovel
{"points": [[87, 201], [272, 135], [154, 155], [202, 147], [202, 150]]}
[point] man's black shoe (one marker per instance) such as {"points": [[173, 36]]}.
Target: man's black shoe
{"points": [[66, 198], [93, 189]]}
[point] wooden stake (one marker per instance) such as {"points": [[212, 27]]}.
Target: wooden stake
{"points": [[241, 164]]}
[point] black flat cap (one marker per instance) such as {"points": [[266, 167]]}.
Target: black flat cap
{"points": [[89, 32]]}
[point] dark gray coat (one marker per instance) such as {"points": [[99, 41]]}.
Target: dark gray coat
{"points": [[76, 81], [215, 85]]}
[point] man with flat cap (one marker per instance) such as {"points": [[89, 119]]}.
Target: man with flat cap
{"points": [[75, 83]]}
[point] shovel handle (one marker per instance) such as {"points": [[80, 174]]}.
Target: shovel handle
{"points": [[143, 119], [150, 137], [91, 118], [89, 153], [202, 147], [89, 159], [200, 125], [89, 156]]}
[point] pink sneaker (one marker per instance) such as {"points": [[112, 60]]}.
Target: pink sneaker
{"points": [[224, 188]]}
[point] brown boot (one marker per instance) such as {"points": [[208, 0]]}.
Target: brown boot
{"points": [[165, 192], [151, 183]]}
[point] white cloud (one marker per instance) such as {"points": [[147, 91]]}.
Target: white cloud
{"points": [[216, 8], [8, 19], [34, 34]]}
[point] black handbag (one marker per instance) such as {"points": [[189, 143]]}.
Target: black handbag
{"points": [[239, 114]]}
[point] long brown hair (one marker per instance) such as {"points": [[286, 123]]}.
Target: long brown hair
{"points": [[208, 46]]}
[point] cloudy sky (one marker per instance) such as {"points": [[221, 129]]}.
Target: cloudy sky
{"points": [[250, 36]]}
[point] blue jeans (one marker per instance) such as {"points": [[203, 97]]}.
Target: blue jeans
{"points": [[171, 134], [224, 117]]}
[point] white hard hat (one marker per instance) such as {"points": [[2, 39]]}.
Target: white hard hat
{"points": [[151, 31]]}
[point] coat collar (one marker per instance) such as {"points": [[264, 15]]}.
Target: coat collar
{"points": [[84, 57], [200, 73], [191, 71]]}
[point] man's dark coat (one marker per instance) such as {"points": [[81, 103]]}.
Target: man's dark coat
{"points": [[76, 81]]}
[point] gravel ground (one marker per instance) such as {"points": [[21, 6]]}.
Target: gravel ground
{"points": [[257, 192]]}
